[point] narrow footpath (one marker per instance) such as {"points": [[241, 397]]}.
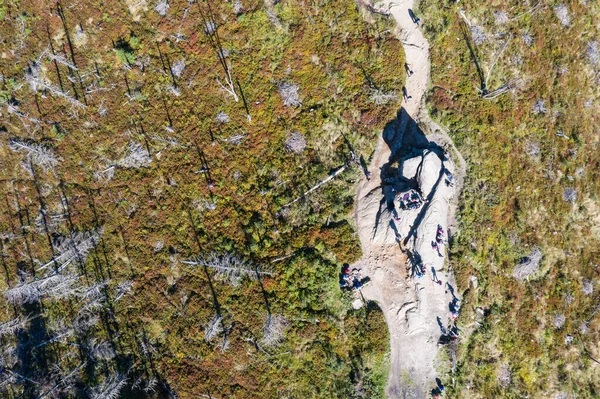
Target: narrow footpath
{"points": [[401, 238]]}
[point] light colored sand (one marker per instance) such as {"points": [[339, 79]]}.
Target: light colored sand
{"points": [[410, 306]]}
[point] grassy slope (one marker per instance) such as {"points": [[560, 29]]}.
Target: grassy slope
{"points": [[155, 216], [514, 198]]}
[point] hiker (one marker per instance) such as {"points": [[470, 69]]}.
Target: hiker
{"points": [[453, 331], [455, 304], [451, 289], [404, 93], [442, 329], [412, 16], [439, 384], [435, 246], [344, 282], [449, 179], [408, 70], [434, 276], [440, 240]]}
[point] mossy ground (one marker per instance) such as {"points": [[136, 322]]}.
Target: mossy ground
{"points": [[202, 192], [514, 198]]}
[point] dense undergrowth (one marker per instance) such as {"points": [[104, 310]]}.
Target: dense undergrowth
{"points": [[530, 135], [139, 134]]}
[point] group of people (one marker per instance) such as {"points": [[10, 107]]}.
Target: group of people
{"points": [[439, 240], [455, 308], [439, 390], [419, 270], [350, 279], [411, 200]]}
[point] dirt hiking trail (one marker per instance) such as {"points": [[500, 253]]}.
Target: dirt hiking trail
{"points": [[405, 214]]}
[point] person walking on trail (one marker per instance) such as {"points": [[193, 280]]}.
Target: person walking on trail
{"points": [[451, 289], [405, 94], [435, 246], [413, 17], [449, 178], [409, 71], [434, 276]]}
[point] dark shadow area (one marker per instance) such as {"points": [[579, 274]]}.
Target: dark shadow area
{"points": [[466, 33], [406, 140]]}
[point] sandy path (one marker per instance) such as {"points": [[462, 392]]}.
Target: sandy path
{"points": [[411, 306]]}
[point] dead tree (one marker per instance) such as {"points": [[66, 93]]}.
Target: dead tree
{"points": [[12, 326], [230, 268], [273, 330], [75, 247], [322, 182], [213, 329], [478, 37], [110, 388], [36, 83], [35, 153], [137, 157], [56, 286]]}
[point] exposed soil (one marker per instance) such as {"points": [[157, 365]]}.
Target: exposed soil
{"points": [[412, 153]]}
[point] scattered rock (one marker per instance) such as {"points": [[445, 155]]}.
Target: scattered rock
{"points": [[289, 94], [527, 39], [570, 194], [593, 53], [532, 149], [504, 376], [588, 287], [474, 281], [501, 17], [529, 265], [357, 303], [559, 320], [478, 34], [162, 8], [222, 117], [562, 13], [569, 298], [296, 142], [539, 107], [568, 339]]}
